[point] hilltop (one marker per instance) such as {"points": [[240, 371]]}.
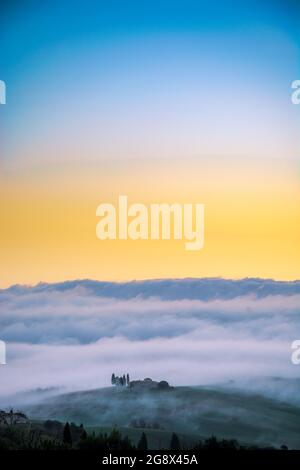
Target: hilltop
{"points": [[191, 411]]}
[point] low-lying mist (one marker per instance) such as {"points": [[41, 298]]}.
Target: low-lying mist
{"points": [[72, 338]]}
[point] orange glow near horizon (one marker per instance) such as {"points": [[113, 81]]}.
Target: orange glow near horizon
{"points": [[252, 221]]}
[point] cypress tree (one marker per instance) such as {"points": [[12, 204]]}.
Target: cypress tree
{"points": [[67, 437], [174, 444], [143, 443]]}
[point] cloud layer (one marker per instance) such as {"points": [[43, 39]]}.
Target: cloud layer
{"points": [[71, 336]]}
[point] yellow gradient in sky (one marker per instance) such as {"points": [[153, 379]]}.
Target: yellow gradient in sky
{"points": [[252, 221]]}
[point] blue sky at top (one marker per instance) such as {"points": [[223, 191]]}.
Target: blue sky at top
{"points": [[131, 74]]}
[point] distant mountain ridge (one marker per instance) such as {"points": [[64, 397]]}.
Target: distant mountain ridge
{"points": [[171, 289]]}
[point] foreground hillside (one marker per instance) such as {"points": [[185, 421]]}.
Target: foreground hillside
{"points": [[192, 411]]}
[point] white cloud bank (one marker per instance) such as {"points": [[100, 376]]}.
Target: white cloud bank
{"points": [[74, 338]]}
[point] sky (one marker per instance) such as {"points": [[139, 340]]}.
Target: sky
{"points": [[161, 101]]}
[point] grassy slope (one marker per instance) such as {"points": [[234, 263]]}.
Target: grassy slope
{"points": [[189, 411]]}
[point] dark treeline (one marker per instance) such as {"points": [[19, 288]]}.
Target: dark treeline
{"points": [[53, 435]]}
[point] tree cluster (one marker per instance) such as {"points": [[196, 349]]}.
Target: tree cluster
{"points": [[122, 381]]}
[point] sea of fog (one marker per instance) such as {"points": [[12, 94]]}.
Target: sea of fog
{"points": [[72, 336]]}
